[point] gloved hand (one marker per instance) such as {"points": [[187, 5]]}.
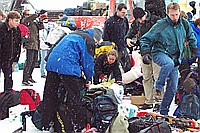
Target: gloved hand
{"points": [[50, 45], [194, 52], [146, 58]]}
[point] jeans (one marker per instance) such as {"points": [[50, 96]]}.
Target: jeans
{"points": [[168, 74], [43, 62]]}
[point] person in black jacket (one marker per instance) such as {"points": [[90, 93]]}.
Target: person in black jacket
{"points": [[144, 20], [115, 29], [10, 46], [105, 65]]}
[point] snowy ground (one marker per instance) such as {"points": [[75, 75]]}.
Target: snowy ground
{"points": [[7, 125]]}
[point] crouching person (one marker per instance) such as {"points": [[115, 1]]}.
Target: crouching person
{"points": [[105, 66], [70, 58]]}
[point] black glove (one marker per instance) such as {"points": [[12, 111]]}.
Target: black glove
{"points": [[194, 52], [50, 45], [146, 59]]}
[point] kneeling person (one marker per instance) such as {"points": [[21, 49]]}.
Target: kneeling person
{"points": [[105, 65]]}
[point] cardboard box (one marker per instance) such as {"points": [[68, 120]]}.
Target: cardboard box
{"points": [[137, 100]]}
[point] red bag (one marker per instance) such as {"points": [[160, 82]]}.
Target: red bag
{"points": [[29, 97], [24, 30]]}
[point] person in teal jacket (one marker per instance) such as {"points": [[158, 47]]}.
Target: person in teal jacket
{"points": [[71, 63], [164, 44]]}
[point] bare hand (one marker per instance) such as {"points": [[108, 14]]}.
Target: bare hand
{"points": [[88, 84], [129, 42]]}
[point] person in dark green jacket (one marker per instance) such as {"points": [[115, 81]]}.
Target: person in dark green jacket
{"points": [[164, 44]]}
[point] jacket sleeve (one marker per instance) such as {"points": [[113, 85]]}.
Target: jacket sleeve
{"points": [[18, 46], [87, 62], [28, 19], [152, 35], [117, 73], [190, 37], [98, 69], [107, 30]]}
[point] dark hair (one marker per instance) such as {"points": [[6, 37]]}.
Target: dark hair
{"points": [[121, 6], [197, 22], [13, 15]]}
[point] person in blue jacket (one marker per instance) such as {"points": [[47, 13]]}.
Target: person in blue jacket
{"points": [[164, 44], [196, 28], [70, 62]]}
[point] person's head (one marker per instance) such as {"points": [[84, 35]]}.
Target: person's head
{"points": [[95, 33], [197, 23], [44, 18], [26, 13], [121, 10], [13, 19], [173, 11], [112, 55], [183, 15], [139, 14], [43, 12]]}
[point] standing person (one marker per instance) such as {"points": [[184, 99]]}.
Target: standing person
{"points": [[32, 47], [115, 29], [164, 44], [69, 60], [44, 49], [105, 65], [10, 46], [144, 20]]}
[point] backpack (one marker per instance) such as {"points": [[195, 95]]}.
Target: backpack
{"points": [[104, 47], [105, 111], [189, 107], [25, 33], [7, 100], [30, 97], [156, 7]]}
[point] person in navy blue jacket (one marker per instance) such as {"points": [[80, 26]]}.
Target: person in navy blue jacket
{"points": [[71, 58]]}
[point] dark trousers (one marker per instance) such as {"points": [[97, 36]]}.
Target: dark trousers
{"points": [[75, 113], [31, 59], [8, 82], [124, 59]]}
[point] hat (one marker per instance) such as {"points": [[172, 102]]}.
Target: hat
{"points": [[188, 85], [42, 11], [43, 17], [138, 12], [97, 33]]}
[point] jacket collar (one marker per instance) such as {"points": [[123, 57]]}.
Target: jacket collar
{"points": [[172, 23], [117, 17]]}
